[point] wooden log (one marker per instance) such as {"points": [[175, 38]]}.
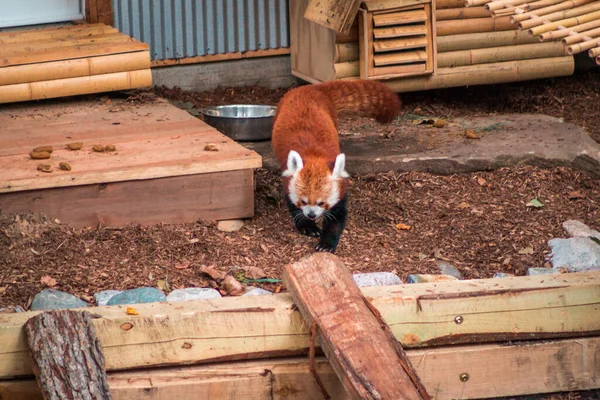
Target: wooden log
{"points": [[485, 74], [561, 33], [499, 54], [583, 46], [75, 86], [75, 68], [399, 31], [483, 40], [475, 3], [399, 18], [242, 328], [595, 52], [346, 52], [347, 69], [496, 5], [475, 25], [445, 4], [405, 57], [358, 344], [565, 5], [78, 31], [567, 23], [399, 44], [506, 368], [67, 356], [580, 37], [573, 12], [461, 13]]}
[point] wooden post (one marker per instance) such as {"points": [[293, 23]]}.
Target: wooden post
{"points": [[67, 357], [366, 357]]}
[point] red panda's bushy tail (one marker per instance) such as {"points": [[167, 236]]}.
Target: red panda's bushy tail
{"points": [[365, 97]]}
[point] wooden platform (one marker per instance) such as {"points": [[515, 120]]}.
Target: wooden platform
{"points": [[160, 171], [70, 60]]}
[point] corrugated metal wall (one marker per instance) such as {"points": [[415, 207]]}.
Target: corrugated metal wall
{"points": [[189, 28]]}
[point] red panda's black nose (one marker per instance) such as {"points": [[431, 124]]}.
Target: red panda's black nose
{"points": [[311, 215]]}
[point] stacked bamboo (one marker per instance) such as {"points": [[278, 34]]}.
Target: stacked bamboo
{"points": [[71, 60]]}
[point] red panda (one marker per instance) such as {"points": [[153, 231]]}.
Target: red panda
{"points": [[306, 144]]}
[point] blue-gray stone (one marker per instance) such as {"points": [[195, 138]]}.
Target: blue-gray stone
{"points": [[137, 296], [50, 299], [502, 275], [542, 271], [579, 229], [193, 294], [449, 269], [256, 292], [575, 255], [376, 279], [104, 296]]}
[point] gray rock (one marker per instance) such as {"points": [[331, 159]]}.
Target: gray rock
{"points": [[376, 279], [193, 294], [104, 296], [137, 296], [579, 229], [542, 271], [502, 275], [256, 292], [449, 269], [50, 299], [576, 254], [11, 310]]}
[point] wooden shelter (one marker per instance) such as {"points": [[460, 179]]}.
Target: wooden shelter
{"points": [[418, 45]]}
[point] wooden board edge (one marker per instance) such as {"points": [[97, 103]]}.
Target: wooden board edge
{"points": [[220, 57], [305, 77]]}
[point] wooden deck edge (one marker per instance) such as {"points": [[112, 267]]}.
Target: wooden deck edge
{"points": [[234, 328], [448, 373], [220, 57]]}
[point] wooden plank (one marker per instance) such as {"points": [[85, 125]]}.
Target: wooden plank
{"points": [[399, 44], [400, 18], [17, 49], [492, 370], [105, 11], [491, 310], [221, 57], [178, 199], [75, 68], [399, 31], [431, 48], [22, 36], [358, 344], [77, 369], [337, 15], [387, 5], [91, 11], [405, 57], [83, 51], [397, 71]]}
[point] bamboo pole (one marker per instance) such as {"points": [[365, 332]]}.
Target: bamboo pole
{"points": [[485, 74], [503, 12], [461, 13], [567, 23], [75, 68], [497, 5], [346, 69], [583, 46], [405, 57], [583, 36], [499, 54], [536, 5], [346, 52], [573, 12], [595, 52], [445, 4], [483, 40], [475, 25], [564, 32], [565, 5], [75, 86], [474, 3]]}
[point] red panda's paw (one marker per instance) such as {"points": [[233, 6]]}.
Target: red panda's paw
{"points": [[312, 231], [327, 246]]}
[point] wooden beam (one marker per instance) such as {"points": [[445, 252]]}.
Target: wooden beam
{"points": [[99, 11], [455, 372], [471, 311], [359, 346], [221, 57]]}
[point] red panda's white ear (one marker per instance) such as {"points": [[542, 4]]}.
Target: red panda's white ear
{"points": [[294, 164], [339, 169]]}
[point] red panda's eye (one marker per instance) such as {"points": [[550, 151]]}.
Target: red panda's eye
{"points": [[303, 202], [321, 203]]}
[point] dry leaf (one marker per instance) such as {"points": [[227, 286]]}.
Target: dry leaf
{"points": [[183, 265], [162, 284], [212, 272], [439, 123], [232, 286], [194, 240], [470, 134], [481, 181], [255, 273], [576, 195], [48, 281], [526, 250], [402, 227], [278, 289], [463, 205], [132, 311], [211, 147]]}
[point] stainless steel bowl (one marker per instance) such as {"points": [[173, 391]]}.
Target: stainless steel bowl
{"points": [[242, 122]]}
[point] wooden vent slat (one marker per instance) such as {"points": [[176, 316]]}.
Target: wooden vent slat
{"points": [[400, 18], [399, 44], [405, 57], [399, 31]]}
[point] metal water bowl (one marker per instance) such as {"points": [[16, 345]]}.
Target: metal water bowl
{"points": [[242, 122]]}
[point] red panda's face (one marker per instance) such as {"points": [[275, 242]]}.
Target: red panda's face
{"points": [[313, 187]]}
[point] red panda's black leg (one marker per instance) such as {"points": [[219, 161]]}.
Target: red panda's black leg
{"points": [[304, 225], [333, 226]]}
